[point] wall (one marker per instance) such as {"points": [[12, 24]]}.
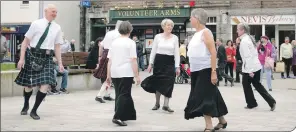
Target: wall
{"points": [[12, 12], [69, 18]]}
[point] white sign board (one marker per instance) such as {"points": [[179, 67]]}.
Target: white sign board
{"points": [[149, 43], [263, 19]]}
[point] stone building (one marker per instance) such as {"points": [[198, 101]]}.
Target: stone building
{"points": [[274, 18]]}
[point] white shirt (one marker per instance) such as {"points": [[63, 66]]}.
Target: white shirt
{"points": [[65, 46], [164, 46], [249, 55], [37, 29], [121, 52], [286, 51], [109, 38], [199, 54]]}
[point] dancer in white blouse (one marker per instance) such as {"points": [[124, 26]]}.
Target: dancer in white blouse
{"points": [[165, 61]]}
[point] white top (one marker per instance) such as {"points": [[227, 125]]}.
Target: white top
{"points": [[199, 54], [65, 46], [286, 51], [249, 55], [164, 46], [37, 29], [121, 53], [109, 38]]}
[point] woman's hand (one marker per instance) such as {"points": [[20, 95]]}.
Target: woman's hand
{"points": [[149, 69], [108, 80], [138, 80], [214, 77]]}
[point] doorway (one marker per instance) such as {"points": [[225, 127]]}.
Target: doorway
{"points": [[283, 34]]}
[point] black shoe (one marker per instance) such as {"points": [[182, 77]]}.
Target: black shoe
{"points": [[247, 107], [237, 81], [25, 110], [119, 122], [34, 116], [232, 83], [270, 89], [64, 91], [156, 107], [168, 109], [108, 98], [220, 125], [100, 100], [209, 130], [273, 107], [54, 91]]}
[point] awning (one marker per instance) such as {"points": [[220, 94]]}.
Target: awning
{"points": [[149, 22]]}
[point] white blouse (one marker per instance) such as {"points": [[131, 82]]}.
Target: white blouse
{"points": [[121, 52], [164, 46], [109, 38], [249, 55]]}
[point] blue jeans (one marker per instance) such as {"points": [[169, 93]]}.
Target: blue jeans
{"points": [[64, 77], [141, 62], [268, 73]]}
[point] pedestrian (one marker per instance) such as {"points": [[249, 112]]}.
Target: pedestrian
{"points": [[264, 51], [222, 62], [239, 62], [204, 98], [93, 55], [294, 58], [230, 54], [286, 55], [3, 49], [101, 72], [165, 62], [122, 68], [251, 69], [36, 61]]}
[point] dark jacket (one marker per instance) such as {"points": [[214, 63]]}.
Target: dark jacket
{"points": [[238, 56], [139, 48], [221, 55], [93, 56], [72, 47]]}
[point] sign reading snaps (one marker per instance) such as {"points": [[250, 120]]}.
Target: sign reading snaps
{"points": [[264, 19], [150, 13]]}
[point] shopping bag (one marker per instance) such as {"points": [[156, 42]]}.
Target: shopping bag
{"points": [[280, 67]]}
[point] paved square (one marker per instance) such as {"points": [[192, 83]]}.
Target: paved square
{"points": [[79, 111]]}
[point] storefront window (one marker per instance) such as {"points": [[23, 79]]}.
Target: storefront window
{"points": [[270, 31]]}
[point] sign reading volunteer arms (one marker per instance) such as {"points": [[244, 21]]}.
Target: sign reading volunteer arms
{"points": [[263, 19]]}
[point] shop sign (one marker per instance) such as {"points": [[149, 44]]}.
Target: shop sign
{"points": [[150, 13], [263, 19], [14, 28]]}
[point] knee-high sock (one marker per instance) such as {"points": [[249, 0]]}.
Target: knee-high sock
{"points": [[102, 90], [27, 96], [39, 97], [157, 96]]}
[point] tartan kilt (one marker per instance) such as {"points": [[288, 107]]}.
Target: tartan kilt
{"points": [[30, 78], [101, 72]]}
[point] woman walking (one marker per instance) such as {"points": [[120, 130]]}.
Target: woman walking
{"points": [[92, 59], [294, 58], [251, 69], [165, 61], [122, 68], [230, 53], [264, 51], [205, 98]]}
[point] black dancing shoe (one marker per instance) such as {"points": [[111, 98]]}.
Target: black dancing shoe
{"points": [[220, 125], [168, 109], [34, 116], [25, 110], [273, 107], [156, 107], [108, 98], [119, 122], [100, 100]]}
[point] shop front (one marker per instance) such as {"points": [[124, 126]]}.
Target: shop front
{"points": [[273, 26], [14, 35]]}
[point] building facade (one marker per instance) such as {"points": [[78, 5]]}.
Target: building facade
{"points": [[16, 17], [273, 18]]}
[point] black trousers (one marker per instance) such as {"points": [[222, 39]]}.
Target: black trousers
{"points": [[229, 66], [249, 95], [221, 72], [294, 70], [238, 71], [288, 63]]}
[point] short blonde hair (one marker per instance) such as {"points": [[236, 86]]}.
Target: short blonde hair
{"points": [[167, 21]]}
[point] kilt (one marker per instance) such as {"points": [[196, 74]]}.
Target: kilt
{"points": [[30, 78], [101, 72]]}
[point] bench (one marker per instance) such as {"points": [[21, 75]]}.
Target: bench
{"points": [[75, 62]]}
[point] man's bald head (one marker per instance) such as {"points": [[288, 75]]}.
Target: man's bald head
{"points": [[50, 12]]}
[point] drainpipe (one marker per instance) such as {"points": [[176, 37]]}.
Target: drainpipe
{"points": [[41, 8]]}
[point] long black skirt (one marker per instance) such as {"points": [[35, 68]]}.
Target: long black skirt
{"points": [[204, 98], [30, 78], [124, 104], [163, 77]]}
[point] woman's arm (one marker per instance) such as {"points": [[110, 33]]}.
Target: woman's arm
{"points": [[177, 53], [154, 49], [210, 44], [134, 62]]}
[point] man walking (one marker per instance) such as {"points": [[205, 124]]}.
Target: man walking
{"points": [[37, 68], [139, 53], [222, 60], [239, 62]]}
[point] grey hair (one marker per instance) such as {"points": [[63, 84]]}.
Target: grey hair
{"points": [[125, 28], [166, 21], [245, 27], [201, 15], [287, 38], [118, 24]]}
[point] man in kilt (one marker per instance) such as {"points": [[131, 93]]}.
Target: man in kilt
{"points": [[101, 70], [41, 41]]}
